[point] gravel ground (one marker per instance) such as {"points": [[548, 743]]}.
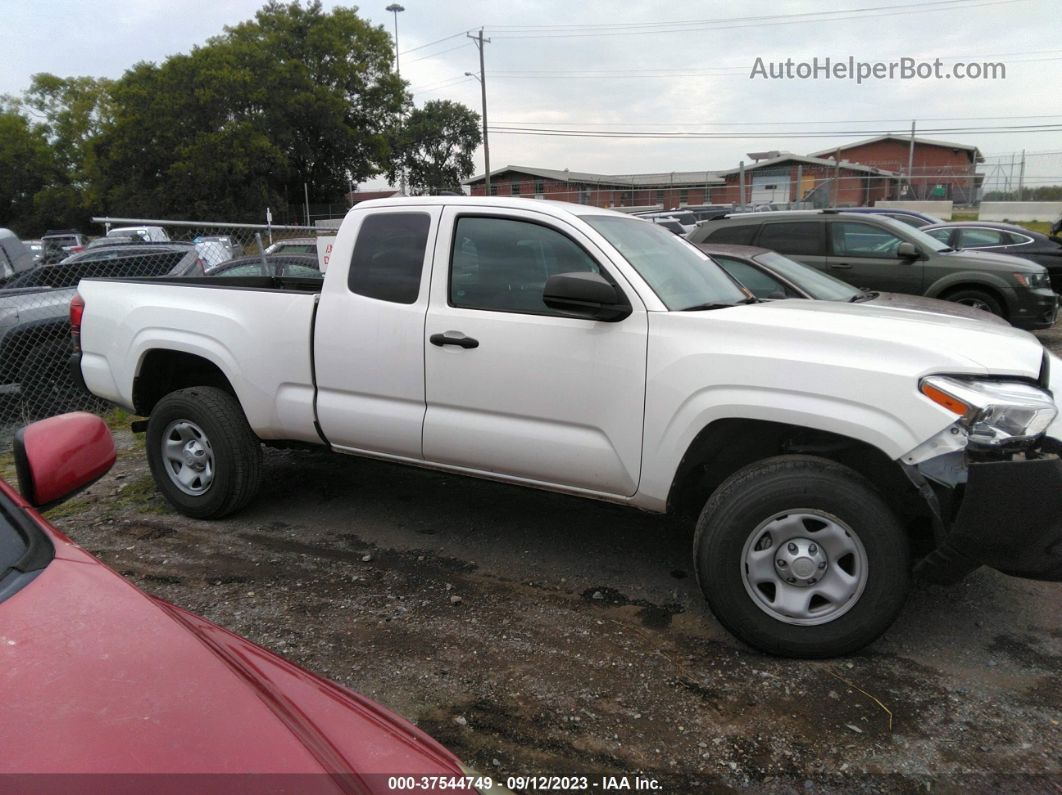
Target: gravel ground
{"points": [[535, 633]]}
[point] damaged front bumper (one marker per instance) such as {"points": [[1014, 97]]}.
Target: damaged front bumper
{"points": [[1009, 517]]}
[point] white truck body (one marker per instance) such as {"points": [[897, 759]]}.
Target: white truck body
{"points": [[609, 409]]}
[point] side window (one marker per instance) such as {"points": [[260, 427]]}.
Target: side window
{"points": [[943, 235], [502, 264], [978, 238], [797, 237], [853, 239], [740, 235], [6, 268], [760, 283], [389, 256]]}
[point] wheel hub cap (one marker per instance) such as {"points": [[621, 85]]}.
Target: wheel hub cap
{"points": [[804, 567], [188, 457], [801, 562]]}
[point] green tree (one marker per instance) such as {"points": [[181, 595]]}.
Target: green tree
{"points": [[435, 144], [73, 112], [28, 165], [296, 95]]}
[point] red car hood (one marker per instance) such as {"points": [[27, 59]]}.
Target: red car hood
{"points": [[98, 677]]}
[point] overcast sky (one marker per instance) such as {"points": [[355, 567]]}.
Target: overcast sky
{"points": [[699, 69]]}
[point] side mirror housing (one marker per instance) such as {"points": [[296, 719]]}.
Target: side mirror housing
{"points": [[585, 294], [58, 457], [908, 250]]}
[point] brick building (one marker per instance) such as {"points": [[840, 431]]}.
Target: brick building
{"points": [[780, 177], [670, 189], [854, 174], [940, 169]]}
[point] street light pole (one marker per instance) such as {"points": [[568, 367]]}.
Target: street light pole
{"points": [[395, 9], [480, 41]]}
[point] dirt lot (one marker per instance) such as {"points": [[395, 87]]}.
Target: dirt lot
{"points": [[536, 633]]}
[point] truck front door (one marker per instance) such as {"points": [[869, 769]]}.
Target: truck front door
{"points": [[515, 388]]}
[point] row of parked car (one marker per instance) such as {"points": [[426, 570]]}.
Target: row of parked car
{"points": [[863, 254], [35, 293]]}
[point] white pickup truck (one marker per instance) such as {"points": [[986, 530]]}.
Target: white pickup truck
{"points": [[822, 448]]}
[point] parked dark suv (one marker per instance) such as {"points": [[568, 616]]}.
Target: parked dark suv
{"points": [[877, 253]]}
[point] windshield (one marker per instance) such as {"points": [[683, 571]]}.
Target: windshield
{"points": [[677, 271], [815, 283]]}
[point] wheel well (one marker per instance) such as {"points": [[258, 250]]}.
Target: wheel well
{"points": [[980, 288], [164, 371], [725, 446]]}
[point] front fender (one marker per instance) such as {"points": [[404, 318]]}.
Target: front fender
{"points": [[973, 279]]}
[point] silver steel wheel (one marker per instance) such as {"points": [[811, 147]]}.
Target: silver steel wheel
{"points": [[804, 567], [188, 457]]}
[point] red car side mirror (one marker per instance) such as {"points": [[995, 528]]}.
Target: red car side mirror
{"points": [[58, 457]]}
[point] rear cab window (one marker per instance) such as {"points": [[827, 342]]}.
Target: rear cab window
{"points": [[388, 257]]}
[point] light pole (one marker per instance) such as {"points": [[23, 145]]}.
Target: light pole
{"points": [[482, 78], [395, 8]]}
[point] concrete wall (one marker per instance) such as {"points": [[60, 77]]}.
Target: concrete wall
{"points": [[1019, 211], [941, 209]]}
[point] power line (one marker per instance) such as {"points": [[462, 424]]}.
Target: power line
{"points": [[742, 68], [755, 123], [744, 22], [441, 52], [657, 135], [437, 41], [436, 86], [674, 22]]}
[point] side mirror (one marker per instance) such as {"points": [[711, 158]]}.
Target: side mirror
{"points": [[58, 457], [908, 251], [587, 295]]}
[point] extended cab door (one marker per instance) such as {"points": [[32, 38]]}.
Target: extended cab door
{"points": [[517, 389], [369, 333], [864, 255]]}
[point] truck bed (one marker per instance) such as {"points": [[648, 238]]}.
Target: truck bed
{"points": [[257, 330]]}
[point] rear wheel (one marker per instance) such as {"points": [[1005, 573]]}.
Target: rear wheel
{"points": [[978, 299], [204, 457], [800, 556]]}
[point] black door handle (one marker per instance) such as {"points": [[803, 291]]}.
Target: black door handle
{"points": [[840, 265], [447, 339]]}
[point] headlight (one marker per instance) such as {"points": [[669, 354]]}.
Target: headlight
{"points": [[1033, 281], [996, 414]]}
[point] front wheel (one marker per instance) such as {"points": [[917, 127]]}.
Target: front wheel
{"points": [[204, 457], [978, 299], [800, 556]]}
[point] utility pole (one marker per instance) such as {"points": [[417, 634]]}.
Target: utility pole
{"points": [[1021, 178], [837, 177], [910, 161], [480, 41]]}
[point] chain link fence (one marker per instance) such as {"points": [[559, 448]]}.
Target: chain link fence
{"points": [[35, 344]]}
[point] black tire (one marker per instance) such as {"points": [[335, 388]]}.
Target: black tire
{"points": [[46, 384], [978, 298], [783, 485], [237, 452]]}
